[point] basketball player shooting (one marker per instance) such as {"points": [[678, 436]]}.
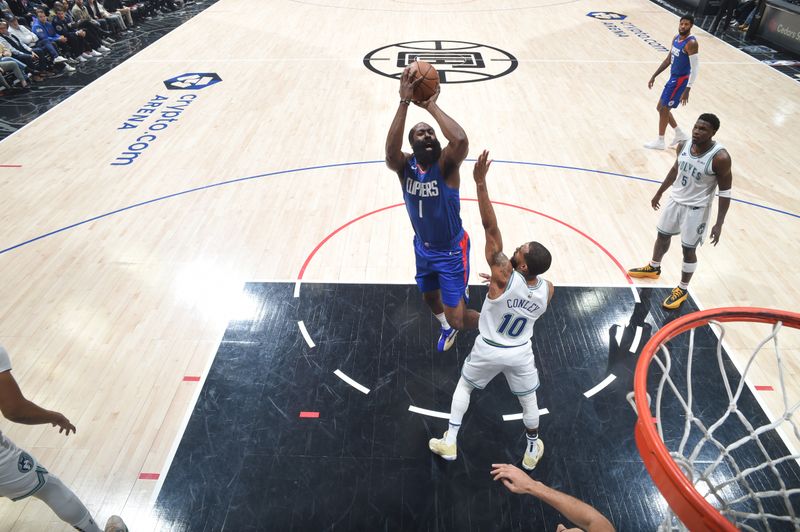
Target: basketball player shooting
{"points": [[430, 181], [684, 63], [517, 297], [701, 166]]}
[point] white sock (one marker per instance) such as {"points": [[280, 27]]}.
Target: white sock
{"points": [[533, 442], [452, 433], [458, 407], [655, 264], [679, 132], [683, 286], [443, 320], [661, 138]]}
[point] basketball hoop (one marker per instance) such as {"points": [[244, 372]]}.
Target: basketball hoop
{"points": [[732, 496]]}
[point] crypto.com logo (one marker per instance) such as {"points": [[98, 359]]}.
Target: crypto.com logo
{"points": [[192, 81], [606, 15]]}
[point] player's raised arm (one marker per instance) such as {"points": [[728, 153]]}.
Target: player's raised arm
{"points": [[395, 158], [722, 167], [498, 262], [457, 143]]}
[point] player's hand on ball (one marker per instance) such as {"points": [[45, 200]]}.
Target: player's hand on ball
{"points": [[430, 101], [481, 168], [407, 84]]}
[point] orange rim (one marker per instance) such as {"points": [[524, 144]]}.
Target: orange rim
{"points": [[690, 507]]}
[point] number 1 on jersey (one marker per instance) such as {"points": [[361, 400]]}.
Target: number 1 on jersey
{"points": [[420, 208]]}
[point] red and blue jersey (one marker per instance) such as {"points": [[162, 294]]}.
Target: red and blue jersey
{"points": [[680, 59], [433, 208]]}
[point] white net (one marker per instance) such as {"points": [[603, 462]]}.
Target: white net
{"points": [[727, 447]]}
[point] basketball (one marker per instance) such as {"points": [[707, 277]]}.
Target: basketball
{"points": [[430, 80]]}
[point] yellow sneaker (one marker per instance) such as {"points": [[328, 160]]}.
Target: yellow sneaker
{"points": [[676, 298], [529, 461], [645, 271], [443, 449]]}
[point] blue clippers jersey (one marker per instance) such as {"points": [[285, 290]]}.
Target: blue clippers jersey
{"points": [[680, 59], [433, 208]]}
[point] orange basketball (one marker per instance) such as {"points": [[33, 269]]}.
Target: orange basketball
{"points": [[430, 80]]}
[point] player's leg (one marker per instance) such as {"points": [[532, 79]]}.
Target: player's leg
{"points": [[680, 135], [66, 505], [21, 477], [427, 279], [663, 120], [680, 293], [480, 367], [652, 269], [462, 317], [534, 446], [446, 445], [69, 508], [453, 271], [693, 229], [523, 381], [669, 224]]}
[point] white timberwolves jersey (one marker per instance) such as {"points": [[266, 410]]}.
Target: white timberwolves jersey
{"points": [[508, 320], [696, 181]]}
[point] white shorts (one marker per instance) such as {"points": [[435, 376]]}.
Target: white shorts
{"points": [[516, 363], [690, 222], [20, 474]]}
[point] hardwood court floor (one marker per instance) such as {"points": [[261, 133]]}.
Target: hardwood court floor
{"points": [[105, 319]]}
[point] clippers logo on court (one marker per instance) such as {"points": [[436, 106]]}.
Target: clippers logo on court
{"points": [[606, 15], [616, 24], [192, 81], [25, 463], [455, 61]]}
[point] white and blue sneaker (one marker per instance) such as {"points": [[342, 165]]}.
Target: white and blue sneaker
{"points": [[446, 338]]}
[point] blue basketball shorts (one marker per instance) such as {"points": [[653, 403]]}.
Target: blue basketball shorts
{"points": [[671, 95], [444, 269]]}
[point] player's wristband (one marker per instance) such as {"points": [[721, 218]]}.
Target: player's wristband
{"points": [[406, 102], [725, 193]]}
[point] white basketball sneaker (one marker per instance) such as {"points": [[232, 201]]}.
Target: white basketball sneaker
{"points": [[442, 448], [530, 460], [657, 144], [679, 137]]}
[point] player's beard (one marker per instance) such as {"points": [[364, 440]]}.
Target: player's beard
{"points": [[424, 157], [685, 33]]}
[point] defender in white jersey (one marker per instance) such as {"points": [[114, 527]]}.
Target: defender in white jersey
{"points": [[701, 167], [517, 297], [22, 476]]}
